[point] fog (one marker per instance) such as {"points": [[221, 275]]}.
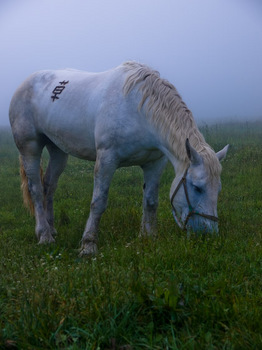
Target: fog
{"points": [[211, 50]]}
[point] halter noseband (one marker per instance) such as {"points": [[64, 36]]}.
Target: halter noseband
{"points": [[192, 211]]}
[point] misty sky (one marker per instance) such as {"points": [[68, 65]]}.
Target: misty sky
{"points": [[211, 50]]}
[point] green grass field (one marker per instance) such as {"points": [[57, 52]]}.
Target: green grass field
{"points": [[167, 293]]}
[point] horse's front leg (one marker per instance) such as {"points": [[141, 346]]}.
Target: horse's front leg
{"points": [[104, 170], [152, 174]]}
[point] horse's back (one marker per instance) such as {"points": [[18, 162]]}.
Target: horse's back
{"points": [[62, 92], [82, 113], [59, 103]]}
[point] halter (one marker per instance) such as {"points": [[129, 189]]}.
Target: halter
{"points": [[192, 211]]}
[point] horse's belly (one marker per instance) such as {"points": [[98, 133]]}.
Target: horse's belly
{"points": [[70, 135], [78, 149], [78, 144], [141, 158]]}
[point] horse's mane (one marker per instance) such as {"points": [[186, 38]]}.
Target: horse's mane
{"points": [[168, 112]]}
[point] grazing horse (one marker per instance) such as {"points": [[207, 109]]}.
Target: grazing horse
{"points": [[125, 116]]}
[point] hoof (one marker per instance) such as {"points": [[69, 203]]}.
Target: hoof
{"points": [[53, 231], [88, 250], [148, 234], [47, 239]]}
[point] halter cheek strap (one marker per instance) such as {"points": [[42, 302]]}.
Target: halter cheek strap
{"points": [[191, 210]]}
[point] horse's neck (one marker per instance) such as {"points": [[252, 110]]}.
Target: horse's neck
{"points": [[174, 133], [179, 165]]}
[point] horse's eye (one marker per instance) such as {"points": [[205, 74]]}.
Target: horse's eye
{"points": [[198, 189]]}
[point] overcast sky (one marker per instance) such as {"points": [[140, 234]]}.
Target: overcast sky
{"points": [[211, 50]]}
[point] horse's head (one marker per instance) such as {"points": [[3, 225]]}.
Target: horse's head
{"points": [[194, 193]]}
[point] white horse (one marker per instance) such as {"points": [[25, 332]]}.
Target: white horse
{"points": [[121, 117]]}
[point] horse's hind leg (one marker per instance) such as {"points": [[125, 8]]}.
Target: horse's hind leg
{"points": [[56, 165], [152, 174], [31, 155]]}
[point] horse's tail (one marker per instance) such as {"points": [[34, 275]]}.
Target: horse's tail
{"points": [[24, 187]]}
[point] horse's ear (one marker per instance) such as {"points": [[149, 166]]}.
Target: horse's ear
{"points": [[192, 154], [222, 154]]}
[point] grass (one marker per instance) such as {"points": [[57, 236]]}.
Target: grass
{"points": [[168, 293]]}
